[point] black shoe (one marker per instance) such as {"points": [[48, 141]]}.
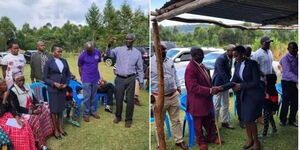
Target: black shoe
{"points": [[58, 137], [293, 124], [108, 109], [64, 133], [242, 125]]}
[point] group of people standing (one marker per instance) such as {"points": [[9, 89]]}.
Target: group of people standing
{"points": [[253, 82], [37, 120]]}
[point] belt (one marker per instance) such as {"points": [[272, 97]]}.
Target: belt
{"points": [[126, 76], [167, 95]]}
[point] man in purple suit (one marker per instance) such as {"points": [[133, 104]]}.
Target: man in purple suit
{"points": [[199, 99]]}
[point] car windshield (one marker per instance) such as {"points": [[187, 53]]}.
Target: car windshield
{"points": [[172, 53], [210, 59]]}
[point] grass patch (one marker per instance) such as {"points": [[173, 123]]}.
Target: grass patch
{"points": [[103, 134], [286, 139]]}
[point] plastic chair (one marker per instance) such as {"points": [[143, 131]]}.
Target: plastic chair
{"points": [[189, 119], [167, 122], [279, 90], [37, 89], [77, 97]]}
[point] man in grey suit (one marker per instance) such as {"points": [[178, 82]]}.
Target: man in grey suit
{"points": [[38, 61]]}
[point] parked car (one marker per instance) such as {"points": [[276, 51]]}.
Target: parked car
{"points": [[28, 55], [2, 54]]}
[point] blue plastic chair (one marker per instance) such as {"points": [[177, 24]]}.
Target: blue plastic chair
{"points": [[167, 122], [189, 119], [279, 91], [37, 89], [77, 97]]}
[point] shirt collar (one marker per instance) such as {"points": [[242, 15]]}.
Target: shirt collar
{"points": [[199, 65]]}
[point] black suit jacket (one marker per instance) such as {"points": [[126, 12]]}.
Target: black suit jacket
{"points": [[52, 74], [222, 70]]}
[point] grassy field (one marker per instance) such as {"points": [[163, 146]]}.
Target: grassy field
{"points": [[286, 139], [103, 134]]}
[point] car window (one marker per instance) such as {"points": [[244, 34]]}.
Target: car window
{"points": [[172, 53], [185, 57], [211, 56]]}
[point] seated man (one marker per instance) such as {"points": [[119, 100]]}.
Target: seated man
{"points": [[109, 89]]}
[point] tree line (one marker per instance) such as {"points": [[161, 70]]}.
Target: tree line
{"points": [[216, 36], [101, 26]]}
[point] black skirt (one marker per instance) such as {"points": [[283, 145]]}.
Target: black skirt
{"points": [[57, 101]]}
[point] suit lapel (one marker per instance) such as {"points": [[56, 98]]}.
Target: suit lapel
{"points": [[203, 74]]}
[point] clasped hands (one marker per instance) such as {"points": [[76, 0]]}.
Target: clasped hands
{"points": [[236, 87], [60, 86], [216, 89]]}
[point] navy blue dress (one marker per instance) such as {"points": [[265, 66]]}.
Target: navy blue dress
{"points": [[252, 90]]}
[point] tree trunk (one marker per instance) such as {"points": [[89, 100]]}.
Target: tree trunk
{"points": [[159, 104]]}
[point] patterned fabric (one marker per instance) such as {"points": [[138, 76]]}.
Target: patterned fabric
{"points": [[44, 58], [4, 139], [22, 139], [41, 124]]}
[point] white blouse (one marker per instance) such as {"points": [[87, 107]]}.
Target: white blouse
{"points": [[242, 70], [59, 64]]}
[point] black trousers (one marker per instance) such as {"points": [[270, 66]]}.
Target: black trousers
{"points": [[268, 108], [289, 100], [109, 89], [122, 85]]}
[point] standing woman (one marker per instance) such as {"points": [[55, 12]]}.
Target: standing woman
{"points": [[57, 76], [246, 79]]}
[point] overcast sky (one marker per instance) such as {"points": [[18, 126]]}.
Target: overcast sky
{"points": [[157, 4], [38, 12]]}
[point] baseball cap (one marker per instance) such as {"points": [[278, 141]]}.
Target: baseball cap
{"points": [[265, 39]]}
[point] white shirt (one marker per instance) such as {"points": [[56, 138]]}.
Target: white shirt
{"points": [[264, 59], [14, 63], [242, 67], [59, 64]]}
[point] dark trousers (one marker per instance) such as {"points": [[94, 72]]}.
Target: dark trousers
{"points": [[122, 85], [109, 89], [238, 104], [210, 127], [268, 116], [289, 100]]}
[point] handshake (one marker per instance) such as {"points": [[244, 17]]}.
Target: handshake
{"points": [[216, 89]]}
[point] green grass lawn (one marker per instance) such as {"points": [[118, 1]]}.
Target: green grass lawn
{"points": [[286, 139], [103, 134]]}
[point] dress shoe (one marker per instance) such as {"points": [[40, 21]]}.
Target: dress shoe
{"points": [[58, 137], [86, 119], [182, 145], [293, 124], [108, 109], [227, 125], [127, 125], [203, 147], [96, 116], [247, 146], [262, 136], [116, 120], [64, 133], [43, 147], [137, 102], [242, 125], [257, 148]]}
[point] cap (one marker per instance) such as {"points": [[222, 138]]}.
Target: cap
{"points": [[265, 39]]}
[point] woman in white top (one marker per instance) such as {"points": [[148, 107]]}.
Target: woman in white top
{"points": [[12, 63]]}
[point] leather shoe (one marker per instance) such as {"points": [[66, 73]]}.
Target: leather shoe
{"points": [[203, 147], [182, 145], [227, 125], [242, 125], [96, 116], [127, 125], [116, 120], [86, 119], [293, 124], [108, 109], [247, 146]]}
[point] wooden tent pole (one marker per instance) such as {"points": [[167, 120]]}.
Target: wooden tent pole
{"points": [[159, 104]]}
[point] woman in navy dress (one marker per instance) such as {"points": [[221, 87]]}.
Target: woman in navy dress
{"points": [[246, 78], [57, 76]]}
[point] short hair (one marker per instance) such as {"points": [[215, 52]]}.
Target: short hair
{"points": [[240, 49], [89, 43], [230, 46], [131, 34], [195, 50], [293, 43], [40, 42], [10, 43], [54, 47]]}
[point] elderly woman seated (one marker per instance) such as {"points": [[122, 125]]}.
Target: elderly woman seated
{"points": [[37, 114], [12, 124]]}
